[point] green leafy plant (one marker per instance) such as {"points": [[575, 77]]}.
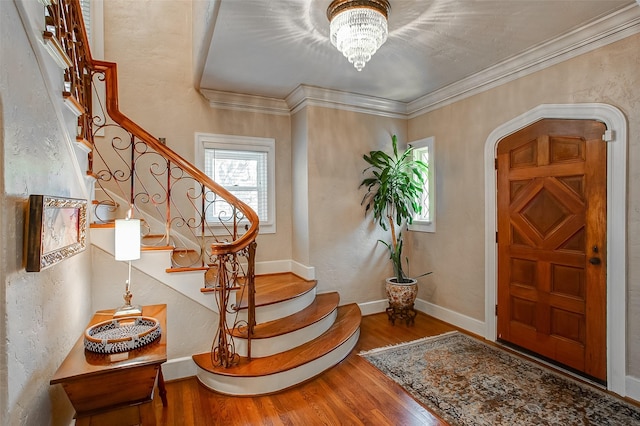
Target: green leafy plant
{"points": [[395, 185]]}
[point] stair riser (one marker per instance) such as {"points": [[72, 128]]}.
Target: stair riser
{"points": [[281, 309], [273, 345], [248, 386]]}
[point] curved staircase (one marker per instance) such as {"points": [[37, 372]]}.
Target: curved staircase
{"points": [[298, 335], [290, 334]]}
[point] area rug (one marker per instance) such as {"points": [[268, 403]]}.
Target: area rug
{"points": [[467, 382]]}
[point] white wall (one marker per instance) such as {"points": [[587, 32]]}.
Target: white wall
{"points": [[43, 313]]}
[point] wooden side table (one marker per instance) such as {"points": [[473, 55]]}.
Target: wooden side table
{"points": [[115, 389]]}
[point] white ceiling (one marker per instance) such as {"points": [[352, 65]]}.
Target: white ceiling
{"points": [[270, 47]]}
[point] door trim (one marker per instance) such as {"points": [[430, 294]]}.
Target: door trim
{"points": [[616, 224]]}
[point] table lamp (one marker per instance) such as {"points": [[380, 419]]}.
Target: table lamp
{"points": [[127, 247]]}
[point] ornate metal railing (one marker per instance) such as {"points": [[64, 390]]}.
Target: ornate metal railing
{"points": [[207, 227]]}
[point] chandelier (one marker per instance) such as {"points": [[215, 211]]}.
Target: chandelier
{"points": [[358, 28]]}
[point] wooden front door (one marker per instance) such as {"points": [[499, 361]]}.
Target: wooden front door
{"points": [[552, 242]]}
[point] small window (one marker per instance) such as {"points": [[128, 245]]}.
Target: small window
{"points": [[244, 166], [425, 221]]}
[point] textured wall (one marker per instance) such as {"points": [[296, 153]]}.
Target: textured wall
{"points": [[155, 79], [42, 313], [343, 242], [608, 75], [190, 326]]}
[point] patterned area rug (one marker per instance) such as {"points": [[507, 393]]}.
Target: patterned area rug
{"points": [[467, 382]]}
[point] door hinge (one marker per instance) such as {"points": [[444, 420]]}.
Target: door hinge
{"points": [[496, 310], [496, 238], [608, 135], [496, 163]]}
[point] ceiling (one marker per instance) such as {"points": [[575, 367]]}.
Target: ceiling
{"points": [[270, 47]]}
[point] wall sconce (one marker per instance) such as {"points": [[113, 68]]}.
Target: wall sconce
{"points": [[127, 247]]}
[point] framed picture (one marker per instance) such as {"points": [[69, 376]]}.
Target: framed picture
{"points": [[56, 230]]}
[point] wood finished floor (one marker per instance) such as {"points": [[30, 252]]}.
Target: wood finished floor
{"points": [[352, 393]]}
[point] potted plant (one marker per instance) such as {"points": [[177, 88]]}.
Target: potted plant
{"points": [[395, 185]]}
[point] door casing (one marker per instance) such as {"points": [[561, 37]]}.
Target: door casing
{"points": [[616, 223]]}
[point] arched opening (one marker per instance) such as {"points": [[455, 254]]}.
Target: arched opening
{"points": [[616, 224]]}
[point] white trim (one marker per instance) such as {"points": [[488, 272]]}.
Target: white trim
{"points": [[268, 346], [241, 102], [260, 385], [373, 307], [179, 368], [606, 30], [430, 225], [97, 30], [464, 322], [303, 271], [459, 320], [616, 224], [633, 383], [616, 26], [304, 96], [286, 265], [247, 143]]}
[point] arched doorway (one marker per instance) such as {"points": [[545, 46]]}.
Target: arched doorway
{"points": [[616, 228]]}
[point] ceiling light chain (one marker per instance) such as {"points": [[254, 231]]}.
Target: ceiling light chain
{"points": [[358, 28]]}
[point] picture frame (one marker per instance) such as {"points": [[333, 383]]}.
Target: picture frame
{"points": [[56, 230]]}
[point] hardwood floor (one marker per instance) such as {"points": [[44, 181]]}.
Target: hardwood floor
{"points": [[352, 393]]}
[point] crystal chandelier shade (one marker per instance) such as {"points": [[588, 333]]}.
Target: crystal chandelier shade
{"points": [[358, 28]]}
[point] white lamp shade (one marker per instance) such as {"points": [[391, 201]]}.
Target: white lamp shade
{"points": [[127, 239]]}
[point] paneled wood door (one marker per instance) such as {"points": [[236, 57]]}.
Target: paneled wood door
{"points": [[551, 242]]}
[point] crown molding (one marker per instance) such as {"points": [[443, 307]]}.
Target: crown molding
{"points": [[304, 96], [242, 102], [606, 30]]}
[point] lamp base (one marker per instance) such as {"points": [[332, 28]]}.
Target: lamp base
{"points": [[128, 311]]}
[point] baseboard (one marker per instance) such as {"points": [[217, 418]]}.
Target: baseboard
{"points": [[454, 318], [303, 271], [459, 320], [632, 386], [179, 368], [375, 307], [279, 266]]}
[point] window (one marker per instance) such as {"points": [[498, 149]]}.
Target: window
{"points": [[423, 150], [244, 166]]}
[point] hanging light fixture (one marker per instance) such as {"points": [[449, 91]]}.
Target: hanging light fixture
{"points": [[358, 28]]}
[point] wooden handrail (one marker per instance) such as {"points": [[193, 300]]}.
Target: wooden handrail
{"points": [[64, 17], [111, 83]]}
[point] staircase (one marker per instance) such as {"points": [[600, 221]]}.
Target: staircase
{"points": [[298, 335], [273, 331]]}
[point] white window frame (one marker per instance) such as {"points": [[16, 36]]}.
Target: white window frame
{"points": [[245, 143], [418, 225]]}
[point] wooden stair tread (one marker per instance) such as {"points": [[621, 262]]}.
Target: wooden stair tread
{"points": [[186, 269], [98, 225], [152, 248], [153, 239], [322, 306], [274, 288], [346, 324]]}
